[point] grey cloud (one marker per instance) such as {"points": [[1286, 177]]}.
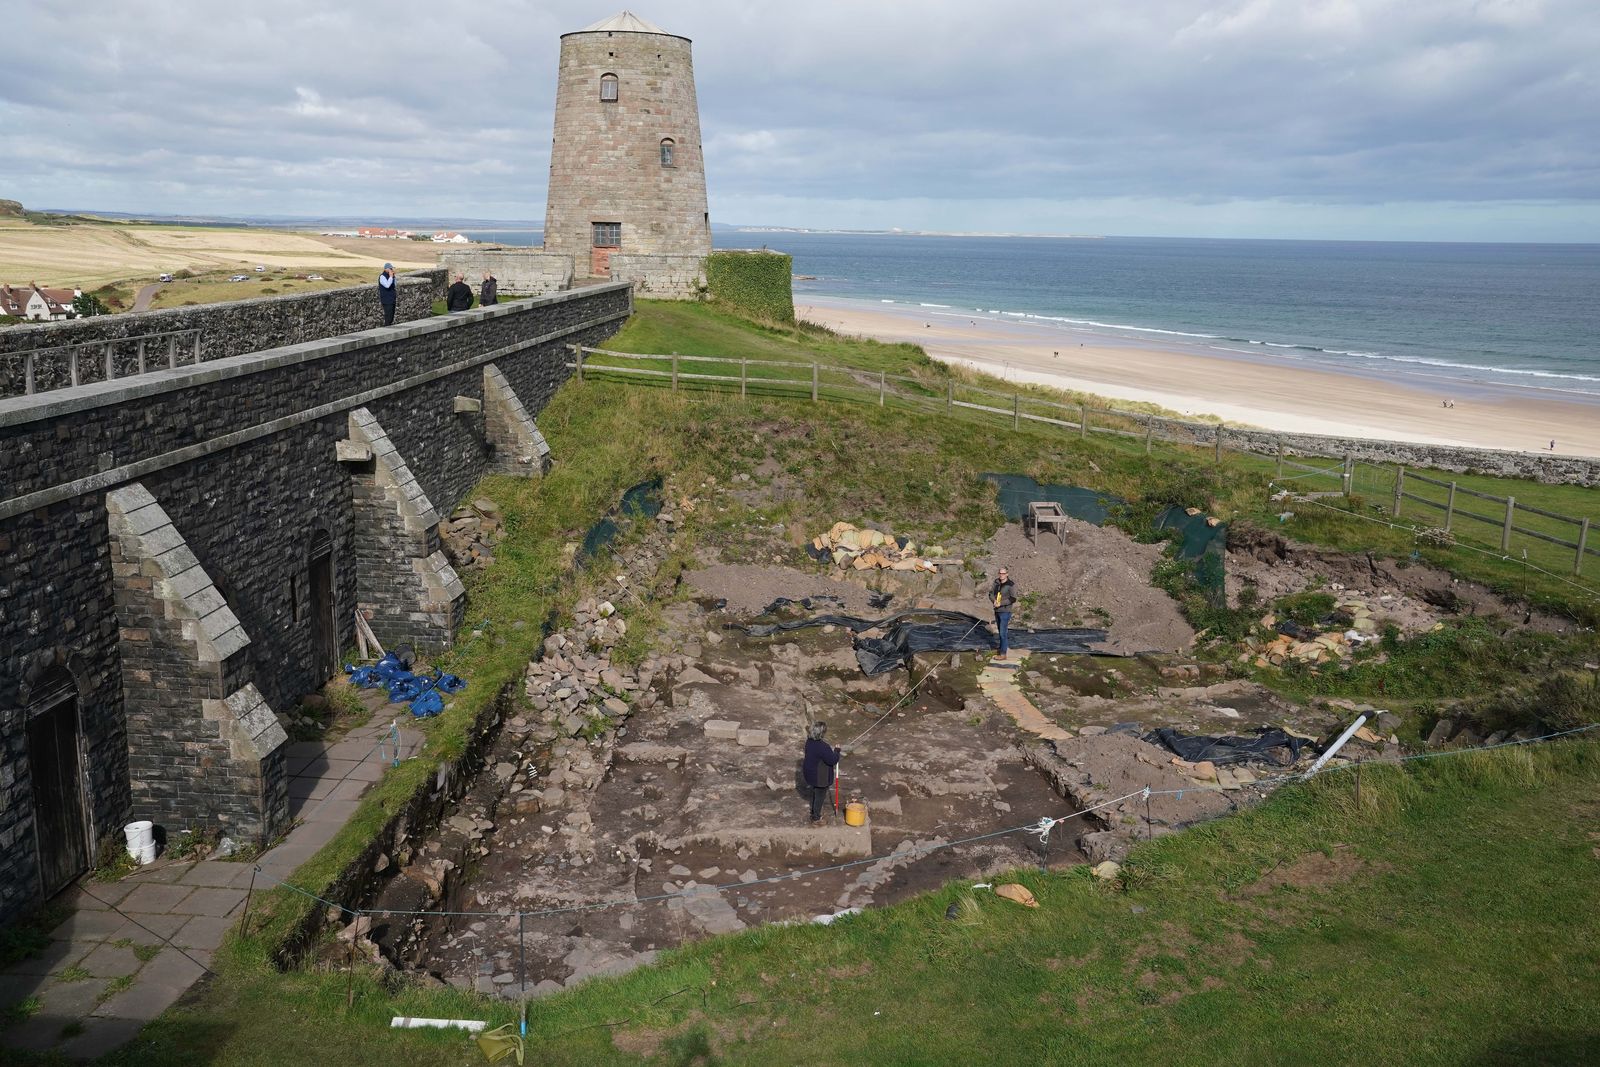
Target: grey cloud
{"points": [[941, 109]]}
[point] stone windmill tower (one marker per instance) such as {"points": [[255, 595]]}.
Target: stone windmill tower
{"points": [[627, 181]]}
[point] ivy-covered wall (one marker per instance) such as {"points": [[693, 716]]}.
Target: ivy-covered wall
{"points": [[755, 283]]}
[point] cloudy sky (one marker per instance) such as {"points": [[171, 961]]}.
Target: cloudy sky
{"points": [[1381, 119]]}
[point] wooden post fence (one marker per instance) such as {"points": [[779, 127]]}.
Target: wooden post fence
{"points": [[1450, 507], [1083, 420], [1280, 460], [1149, 427], [744, 376], [1349, 474], [1399, 487], [580, 361], [1219, 444], [1016, 411], [881, 380], [813, 383], [674, 372], [1583, 544], [1505, 531]]}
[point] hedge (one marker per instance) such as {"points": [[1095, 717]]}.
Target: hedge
{"points": [[755, 284]]}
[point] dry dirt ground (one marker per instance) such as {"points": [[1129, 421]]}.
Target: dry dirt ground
{"points": [[690, 833], [1412, 596]]}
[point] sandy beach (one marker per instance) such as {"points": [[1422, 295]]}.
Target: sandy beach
{"points": [[1238, 390]]}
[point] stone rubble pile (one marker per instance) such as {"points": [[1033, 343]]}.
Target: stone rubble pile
{"points": [[868, 549], [469, 535], [1355, 626]]}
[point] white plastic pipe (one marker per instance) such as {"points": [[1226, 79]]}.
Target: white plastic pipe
{"points": [[1337, 745], [409, 1022]]}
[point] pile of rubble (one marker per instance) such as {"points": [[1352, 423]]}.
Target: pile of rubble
{"points": [[572, 687], [868, 549], [1352, 626], [468, 537]]}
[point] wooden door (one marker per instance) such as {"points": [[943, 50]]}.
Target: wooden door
{"points": [[324, 626], [59, 821], [600, 263]]}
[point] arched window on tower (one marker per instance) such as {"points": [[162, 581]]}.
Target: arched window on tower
{"points": [[608, 88], [667, 147]]}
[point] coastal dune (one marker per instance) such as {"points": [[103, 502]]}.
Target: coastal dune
{"points": [[1240, 390]]}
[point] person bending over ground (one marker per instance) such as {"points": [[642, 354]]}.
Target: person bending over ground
{"points": [[459, 296], [820, 760], [1003, 596]]}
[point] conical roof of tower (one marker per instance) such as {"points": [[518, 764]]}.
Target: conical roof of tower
{"points": [[625, 22]]}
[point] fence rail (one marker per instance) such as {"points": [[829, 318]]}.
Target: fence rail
{"points": [[844, 383], [63, 366]]}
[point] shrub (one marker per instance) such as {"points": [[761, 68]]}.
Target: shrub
{"points": [[756, 284]]}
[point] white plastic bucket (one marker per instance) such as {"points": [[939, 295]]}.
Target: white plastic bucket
{"points": [[141, 841]]}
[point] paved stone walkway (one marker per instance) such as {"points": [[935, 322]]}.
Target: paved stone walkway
{"points": [[999, 684], [134, 947]]}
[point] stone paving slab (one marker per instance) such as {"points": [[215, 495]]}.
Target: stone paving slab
{"points": [[85, 925], [165, 872], [203, 932], [218, 873], [310, 788], [163, 980], [110, 961], [337, 812], [156, 898], [350, 790], [15, 988], [214, 902], [100, 896], [149, 929], [99, 1037]]}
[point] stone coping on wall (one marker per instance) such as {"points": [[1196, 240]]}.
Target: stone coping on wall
{"points": [[17, 411]]}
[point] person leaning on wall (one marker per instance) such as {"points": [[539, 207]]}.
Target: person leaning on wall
{"points": [[489, 293]]}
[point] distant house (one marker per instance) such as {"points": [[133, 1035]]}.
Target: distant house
{"points": [[379, 231], [36, 303], [449, 237]]}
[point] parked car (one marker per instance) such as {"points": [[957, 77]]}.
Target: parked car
{"points": [[260, 269], [166, 278], [313, 277], [240, 278]]}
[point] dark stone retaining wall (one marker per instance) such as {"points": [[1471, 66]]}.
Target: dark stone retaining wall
{"points": [[228, 329], [240, 452]]}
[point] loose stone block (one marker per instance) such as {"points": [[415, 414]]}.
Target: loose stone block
{"points": [[753, 738], [722, 730]]}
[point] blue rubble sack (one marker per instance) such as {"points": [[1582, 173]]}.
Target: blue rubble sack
{"points": [[428, 704]]}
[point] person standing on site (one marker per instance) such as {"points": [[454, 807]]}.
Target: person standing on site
{"points": [[388, 291], [821, 759], [1003, 597], [489, 294], [459, 296]]}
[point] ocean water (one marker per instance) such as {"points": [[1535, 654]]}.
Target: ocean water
{"points": [[1491, 314], [1460, 315]]}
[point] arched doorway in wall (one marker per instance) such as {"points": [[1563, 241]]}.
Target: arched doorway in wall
{"points": [[324, 610], [55, 767]]}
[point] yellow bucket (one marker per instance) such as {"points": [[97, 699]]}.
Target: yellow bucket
{"points": [[855, 814]]}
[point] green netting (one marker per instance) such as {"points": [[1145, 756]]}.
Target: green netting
{"points": [[1196, 540]]}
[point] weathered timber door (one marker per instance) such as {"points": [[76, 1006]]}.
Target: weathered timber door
{"points": [[59, 822], [324, 626], [600, 263]]}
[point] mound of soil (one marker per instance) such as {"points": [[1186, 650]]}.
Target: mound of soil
{"points": [[1098, 572]]}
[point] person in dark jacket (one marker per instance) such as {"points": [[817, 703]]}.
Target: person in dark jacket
{"points": [[489, 294], [1003, 596], [818, 770], [388, 290], [459, 296]]}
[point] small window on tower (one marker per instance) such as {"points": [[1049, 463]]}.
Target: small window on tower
{"points": [[666, 152], [607, 234], [608, 88]]}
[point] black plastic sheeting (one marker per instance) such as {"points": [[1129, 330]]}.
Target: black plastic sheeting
{"points": [[951, 631], [1269, 746]]}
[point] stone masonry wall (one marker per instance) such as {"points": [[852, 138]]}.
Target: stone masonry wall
{"points": [[241, 455], [1534, 466], [516, 270], [605, 161], [227, 329], [662, 277]]}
